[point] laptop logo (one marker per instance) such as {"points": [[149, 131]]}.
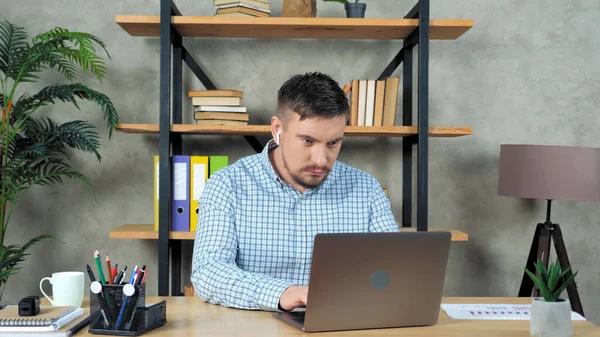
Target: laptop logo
{"points": [[380, 279]]}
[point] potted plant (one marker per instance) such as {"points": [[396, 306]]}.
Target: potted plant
{"points": [[34, 150], [550, 314], [353, 9]]}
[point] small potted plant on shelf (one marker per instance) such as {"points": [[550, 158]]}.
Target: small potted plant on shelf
{"points": [[35, 150], [550, 314], [354, 9]]}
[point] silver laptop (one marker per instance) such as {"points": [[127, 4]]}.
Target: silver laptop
{"points": [[374, 280]]}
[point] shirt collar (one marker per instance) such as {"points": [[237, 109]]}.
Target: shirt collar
{"points": [[268, 166]]}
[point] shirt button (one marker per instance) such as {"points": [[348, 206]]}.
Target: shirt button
{"points": [[299, 260], [299, 229]]}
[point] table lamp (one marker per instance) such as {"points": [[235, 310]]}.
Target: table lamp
{"points": [[552, 173]]}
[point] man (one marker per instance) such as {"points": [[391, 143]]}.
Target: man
{"points": [[259, 216]]}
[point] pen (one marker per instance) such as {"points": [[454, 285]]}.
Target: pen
{"points": [[122, 281], [141, 276], [80, 325], [109, 270], [97, 258], [119, 276], [96, 288], [133, 274], [114, 273], [90, 273], [128, 291]]}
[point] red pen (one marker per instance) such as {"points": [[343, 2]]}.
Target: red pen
{"points": [[141, 275]]}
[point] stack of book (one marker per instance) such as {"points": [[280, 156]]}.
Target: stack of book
{"points": [[219, 107], [374, 102], [259, 8]]}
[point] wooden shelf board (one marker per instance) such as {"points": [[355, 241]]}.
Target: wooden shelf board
{"points": [[265, 130], [286, 28], [144, 231]]}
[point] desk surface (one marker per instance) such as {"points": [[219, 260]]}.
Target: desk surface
{"points": [[189, 316]]}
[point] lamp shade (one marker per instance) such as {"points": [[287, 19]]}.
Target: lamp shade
{"points": [[549, 172]]}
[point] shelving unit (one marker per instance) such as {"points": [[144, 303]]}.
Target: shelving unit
{"points": [[147, 232], [414, 29], [265, 130]]}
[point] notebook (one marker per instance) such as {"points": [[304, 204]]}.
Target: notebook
{"points": [[68, 330], [49, 319]]}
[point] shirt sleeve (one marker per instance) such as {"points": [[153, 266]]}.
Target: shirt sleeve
{"points": [[381, 218], [215, 274]]}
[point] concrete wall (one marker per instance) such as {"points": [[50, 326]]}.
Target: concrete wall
{"points": [[526, 73]]}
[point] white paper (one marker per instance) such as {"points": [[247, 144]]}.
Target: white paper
{"points": [[180, 188], [494, 311]]}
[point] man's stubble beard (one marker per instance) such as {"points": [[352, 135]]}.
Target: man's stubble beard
{"points": [[299, 179]]}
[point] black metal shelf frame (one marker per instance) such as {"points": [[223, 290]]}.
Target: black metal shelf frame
{"points": [[172, 55]]}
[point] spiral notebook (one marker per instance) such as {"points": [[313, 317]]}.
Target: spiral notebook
{"points": [[49, 319]]}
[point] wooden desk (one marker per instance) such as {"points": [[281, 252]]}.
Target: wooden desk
{"points": [[189, 316]]}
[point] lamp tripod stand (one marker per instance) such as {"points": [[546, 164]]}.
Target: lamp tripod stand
{"points": [[540, 249]]}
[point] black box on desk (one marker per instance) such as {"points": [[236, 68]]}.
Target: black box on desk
{"points": [[136, 317]]}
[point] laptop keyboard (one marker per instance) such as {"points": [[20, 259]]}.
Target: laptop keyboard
{"points": [[298, 316]]}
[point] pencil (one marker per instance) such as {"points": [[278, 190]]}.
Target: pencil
{"points": [[97, 258], [109, 269]]}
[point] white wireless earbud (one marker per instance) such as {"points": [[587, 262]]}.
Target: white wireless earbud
{"points": [[277, 139]]}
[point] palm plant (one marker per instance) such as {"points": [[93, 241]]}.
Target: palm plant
{"points": [[33, 150]]}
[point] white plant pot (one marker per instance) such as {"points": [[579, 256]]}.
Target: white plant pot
{"points": [[550, 319]]}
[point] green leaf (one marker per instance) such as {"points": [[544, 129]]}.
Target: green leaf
{"points": [[541, 286], [539, 265], [564, 285], [13, 39], [71, 48], [36, 240], [50, 173], [564, 273], [12, 255], [340, 1], [67, 93], [553, 278]]}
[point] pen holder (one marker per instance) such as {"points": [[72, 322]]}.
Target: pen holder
{"points": [[121, 310]]}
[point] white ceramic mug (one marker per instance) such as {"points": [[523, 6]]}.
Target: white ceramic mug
{"points": [[67, 288]]}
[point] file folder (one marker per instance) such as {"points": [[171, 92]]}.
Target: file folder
{"points": [[198, 177], [180, 214], [217, 163]]}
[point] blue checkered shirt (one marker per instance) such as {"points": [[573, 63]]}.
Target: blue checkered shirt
{"points": [[255, 233]]}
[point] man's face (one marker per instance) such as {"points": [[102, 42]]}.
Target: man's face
{"points": [[309, 148]]}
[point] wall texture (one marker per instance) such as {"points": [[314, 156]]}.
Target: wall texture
{"points": [[526, 73]]}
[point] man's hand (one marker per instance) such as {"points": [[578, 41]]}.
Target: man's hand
{"points": [[293, 297]]}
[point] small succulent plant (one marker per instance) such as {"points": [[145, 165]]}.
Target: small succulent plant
{"points": [[551, 281]]}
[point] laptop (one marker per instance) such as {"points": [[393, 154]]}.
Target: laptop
{"points": [[373, 280]]}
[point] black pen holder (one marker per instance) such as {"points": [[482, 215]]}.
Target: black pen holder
{"points": [[112, 312]]}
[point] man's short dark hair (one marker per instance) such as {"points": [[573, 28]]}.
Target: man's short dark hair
{"points": [[312, 95]]}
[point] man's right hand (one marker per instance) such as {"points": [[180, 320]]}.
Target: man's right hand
{"points": [[293, 297]]}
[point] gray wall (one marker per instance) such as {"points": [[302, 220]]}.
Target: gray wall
{"points": [[519, 75]]}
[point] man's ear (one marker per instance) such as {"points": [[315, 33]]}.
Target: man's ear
{"points": [[276, 126]]}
